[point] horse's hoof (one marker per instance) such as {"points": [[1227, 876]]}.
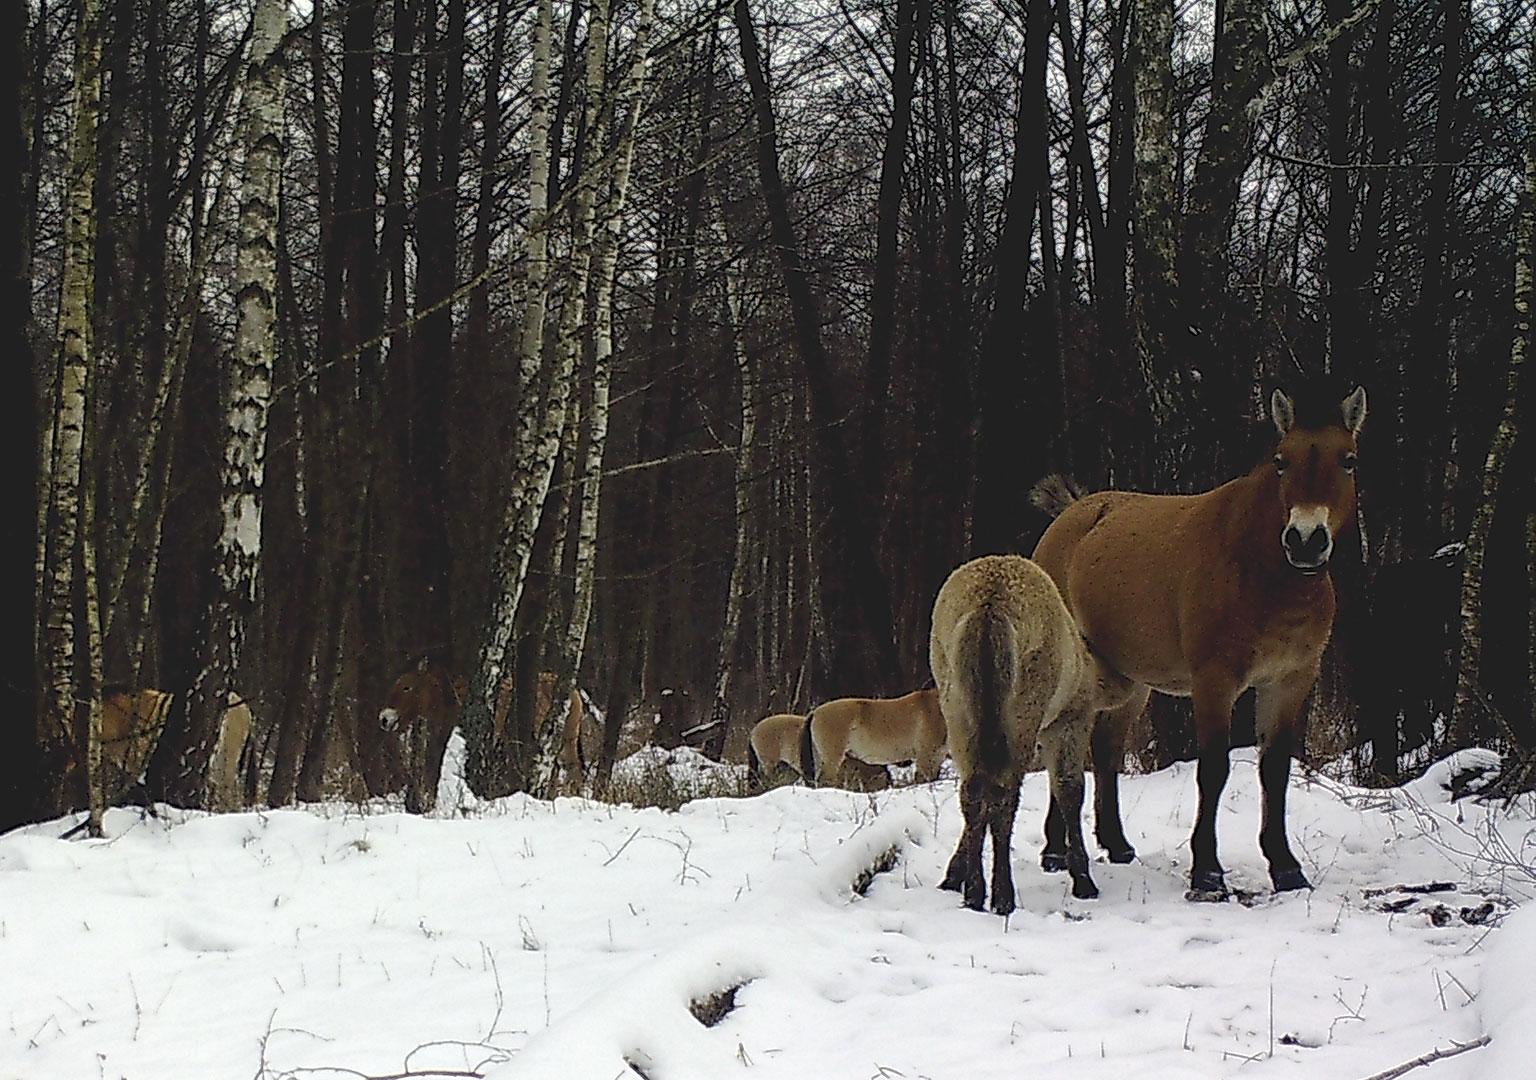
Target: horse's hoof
{"points": [[975, 895], [1053, 862], [1003, 905], [1207, 887], [1084, 889], [951, 883], [1289, 880], [1122, 855]]}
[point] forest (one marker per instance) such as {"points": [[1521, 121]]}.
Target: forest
{"points": [[680, 349]]}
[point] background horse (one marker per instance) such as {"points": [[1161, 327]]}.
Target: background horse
{"points": [[421, 709], [876, 731], [1207, 595]]}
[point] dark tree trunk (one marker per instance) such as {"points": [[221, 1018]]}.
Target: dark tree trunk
{"points": [[1017, 383], [853, 590]]}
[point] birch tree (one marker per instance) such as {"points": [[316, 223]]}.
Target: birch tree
{"points": [[1464, 729], [1155, 303], [63, 536], [745, 459], [248, 392], [609, 237], [539, 421]]}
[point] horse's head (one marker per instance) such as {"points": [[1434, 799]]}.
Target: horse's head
{"points": [[412, 694], [1315, 460]]}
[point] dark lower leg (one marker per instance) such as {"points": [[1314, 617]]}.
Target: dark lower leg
{"points": [[964, 873], [1206, 878], [1107, 759], [1067, 783], [1004, 807], [1053, 857], [1275, 776]]}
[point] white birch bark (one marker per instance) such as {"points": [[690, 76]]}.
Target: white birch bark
{"points": [[540, 424], [606, 259], [745, 461], [1469, 668], [536, 285], [63, 536], [248, 392]]}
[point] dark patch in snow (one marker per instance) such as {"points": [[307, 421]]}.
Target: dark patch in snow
{"points": [[713, 1008]]}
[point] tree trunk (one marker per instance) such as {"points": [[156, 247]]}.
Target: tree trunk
{"points": [[746, 460], [539, 422], [1018, 384], [248, 392], [57, 732], [1466, 726], [1169, 395], [882, 306], [19, 770], [853, 589]]}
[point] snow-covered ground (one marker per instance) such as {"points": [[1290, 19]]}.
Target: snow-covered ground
{"points": [[566, 939]]}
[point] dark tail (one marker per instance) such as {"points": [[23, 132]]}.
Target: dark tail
{"points": [[808, 750], [992, 656], [1054, 493], [754, 766]]}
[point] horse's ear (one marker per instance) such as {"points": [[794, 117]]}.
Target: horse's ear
{"points": [[1282, 412], [1353, 408]]}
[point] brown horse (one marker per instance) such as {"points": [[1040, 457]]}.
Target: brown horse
{"points": [[1205, 596], [421, 709], [1013, 672], [876, 731], [131, 725], [569, 756]]}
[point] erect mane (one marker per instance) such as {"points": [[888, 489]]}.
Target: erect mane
{"points": [[1318, 401]]}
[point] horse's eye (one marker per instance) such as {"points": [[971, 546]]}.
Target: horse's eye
{"points": [[1279, 463], [1349, 462]]}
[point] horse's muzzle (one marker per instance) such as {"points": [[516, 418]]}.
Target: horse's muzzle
{"points": [[1307, 552]]}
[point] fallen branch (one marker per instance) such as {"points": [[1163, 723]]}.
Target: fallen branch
{"points": [[1428, 887], [1430, 1058]]}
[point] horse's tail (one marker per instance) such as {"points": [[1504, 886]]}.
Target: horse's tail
{"points": [[808, 750], [991, 655], [754, 763], [1055, 492]]}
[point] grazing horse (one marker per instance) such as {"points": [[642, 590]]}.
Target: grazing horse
{"points": [[131, 725], [774, 745], [1205, 596], [875, 731], [783, 740], [1013, 672], [421, 708], [569, 755]]}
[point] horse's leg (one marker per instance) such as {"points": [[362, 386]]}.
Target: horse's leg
{"points": [[1214, 695], [1279, 727], [1053, 857], [1062, 742], [964, 873], [1003, 807], [1108, 747]]}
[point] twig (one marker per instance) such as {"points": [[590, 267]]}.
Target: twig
{"points": [[622, 846], [1430, 1058]]}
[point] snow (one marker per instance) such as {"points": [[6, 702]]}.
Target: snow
{"points": [[567, 939]]}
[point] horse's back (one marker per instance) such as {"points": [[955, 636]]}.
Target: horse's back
{"points": [[1122, 560]]}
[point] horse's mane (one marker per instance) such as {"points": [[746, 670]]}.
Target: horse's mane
{"points": [[1318, 400]]}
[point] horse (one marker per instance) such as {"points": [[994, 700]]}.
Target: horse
{"points": [[422, 707], [569, 755], [1013, 672], [774, 745], [1206, 596], [131, 725], [782, 740], [875, 731]]}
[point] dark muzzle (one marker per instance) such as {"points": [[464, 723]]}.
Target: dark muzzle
{"points": [[1307, 553]]}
